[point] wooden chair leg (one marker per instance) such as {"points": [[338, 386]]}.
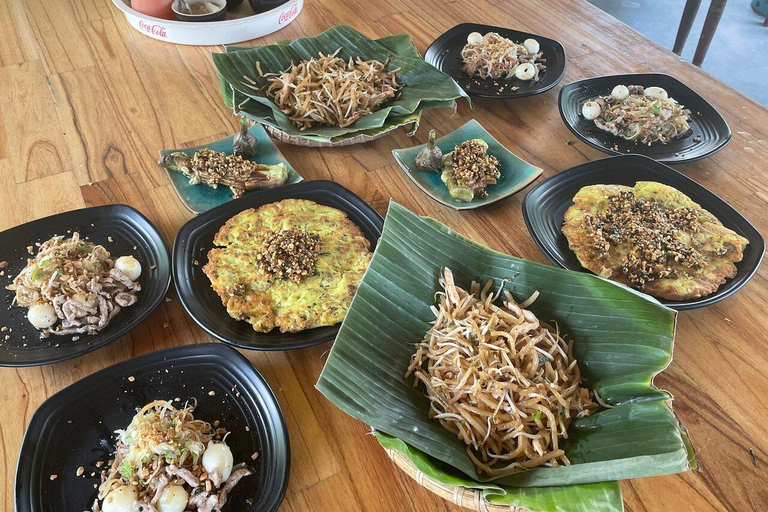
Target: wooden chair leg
{"points": [[714, 14], [686, 22]]}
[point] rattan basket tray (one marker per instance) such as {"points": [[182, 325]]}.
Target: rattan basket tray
{"points": [[461, 496]]}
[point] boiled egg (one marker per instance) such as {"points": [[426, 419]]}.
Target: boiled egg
{"points": [[531, 46], [42, 316], [656, 93], [173, 499], [525, 71], [218, 457], [620, 92], [474, 37], [129, 266], [121, 499], [591, 110]]}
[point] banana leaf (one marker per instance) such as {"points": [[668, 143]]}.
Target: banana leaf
{"points": [[622, 340], [597, 497], [426, 86]]}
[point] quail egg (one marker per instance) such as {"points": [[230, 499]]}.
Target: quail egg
{"points": [[129, 266], [656, 93], [620, 92], [531, 46], [42, 316], [591, 110], [525, 71]]}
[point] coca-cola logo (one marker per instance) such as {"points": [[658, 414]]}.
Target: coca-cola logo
{"points": [[288, 15], [153, 28]]}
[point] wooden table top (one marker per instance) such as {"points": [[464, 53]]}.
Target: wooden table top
{"points": [[86, 102]]}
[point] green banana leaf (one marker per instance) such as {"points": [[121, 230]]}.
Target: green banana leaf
{"points": [[622, 340], [597, 497], [426, 87]]}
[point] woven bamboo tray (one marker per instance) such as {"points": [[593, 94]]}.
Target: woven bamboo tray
{"points": [[300, 141], [461, 496]]}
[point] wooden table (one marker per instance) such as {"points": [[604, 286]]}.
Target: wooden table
{"points": [[86, 102]]}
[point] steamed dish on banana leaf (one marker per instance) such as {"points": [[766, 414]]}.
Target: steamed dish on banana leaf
{"points": [[469, 169], [504, 382], [214, 168], [643, 114], [73, 286], [168, 461], [652, 237], [329, 91], [292, 265], [494, 56]]}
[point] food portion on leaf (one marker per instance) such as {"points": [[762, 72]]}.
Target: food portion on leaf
{"points": [[469, 169], [643, 114], [214, 168], [330, 91], [166, 460], [501, 380], [621, 341], [390, 85], [652, 237], [293, 265], [73, 286]]}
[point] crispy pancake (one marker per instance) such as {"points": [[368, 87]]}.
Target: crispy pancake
{"points": [[252, 294], [716, 246]]}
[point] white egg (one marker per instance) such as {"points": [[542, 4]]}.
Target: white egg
{"points": [[531, 45], [129, 266], [218, 457], [656, 93], [474, 37], [591, 110], [525, 71], [42, 316], [620, 92], [173, 499], [121, 499]]}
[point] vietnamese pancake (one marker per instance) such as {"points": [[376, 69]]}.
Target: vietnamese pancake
{"points": [[291, 265], [652, 237]]}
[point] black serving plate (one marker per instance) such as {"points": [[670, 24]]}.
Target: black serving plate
{"points": [[195, 239], [131, 233], [445, 54], [75, 427], [709, 131], [545, 206]]}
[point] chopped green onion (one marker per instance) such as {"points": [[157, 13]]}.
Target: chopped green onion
{"points": [[126, 471], [537, 415]]}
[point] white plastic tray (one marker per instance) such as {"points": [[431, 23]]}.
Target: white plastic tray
{"points": [[213, 32]]}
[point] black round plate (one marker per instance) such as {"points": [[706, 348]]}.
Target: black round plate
{"points": [[75, 427], [195, 239], [710, 133], [445, 54], [544, 209], [131, 234]]}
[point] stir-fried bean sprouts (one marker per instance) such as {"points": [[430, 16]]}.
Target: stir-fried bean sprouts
{"points": [[329, 91], [505, 383]]}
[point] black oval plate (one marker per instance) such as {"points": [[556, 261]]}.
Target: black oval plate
{"points": [[128, 229], [445, 54], [544, 208], [195, 239], [710, 133], [75, 427]]}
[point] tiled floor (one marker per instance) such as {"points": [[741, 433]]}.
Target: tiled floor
{"points": [[739, 52]]}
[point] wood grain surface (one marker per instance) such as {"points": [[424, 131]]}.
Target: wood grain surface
{"points": [[86, 103]]}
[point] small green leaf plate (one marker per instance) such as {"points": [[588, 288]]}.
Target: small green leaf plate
{"points": [[201, 198], [516, 173]]}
